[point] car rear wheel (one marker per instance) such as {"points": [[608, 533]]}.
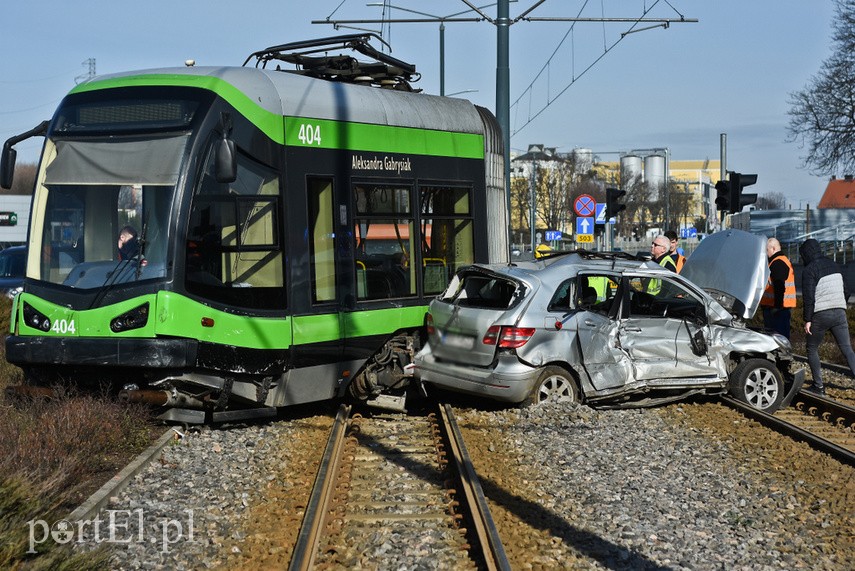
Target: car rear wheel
{"points": [[758, 383], [555, 385]]}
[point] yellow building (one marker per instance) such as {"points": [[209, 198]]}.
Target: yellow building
{"points": [[696, 177]]}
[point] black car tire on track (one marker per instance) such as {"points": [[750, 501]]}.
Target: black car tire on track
{"points": [[758, 383], [553, 384]]}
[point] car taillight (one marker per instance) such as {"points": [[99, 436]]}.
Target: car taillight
{"points": [[429, 324], [508, 337], [513, 337], [492, 335]]}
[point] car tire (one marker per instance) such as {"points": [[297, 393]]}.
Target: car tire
{"points": [[554, 384], [758, 383]]}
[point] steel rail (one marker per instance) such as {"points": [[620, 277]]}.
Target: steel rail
{"points": [[840, 369], [485, 546], [826, 407], [838, 452], [488, 536], [93, 504], [307, 541]]}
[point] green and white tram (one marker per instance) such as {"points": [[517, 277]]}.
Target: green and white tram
{"points": [[291, 227]]}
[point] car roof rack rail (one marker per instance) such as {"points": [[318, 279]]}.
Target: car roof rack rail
{"points": [[384, 71], [595, 255]]}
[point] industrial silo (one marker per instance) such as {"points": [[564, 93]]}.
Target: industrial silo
{"points": [[630, 170], [654, 171], [584, 159]]}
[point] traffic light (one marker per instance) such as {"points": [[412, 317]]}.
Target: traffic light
{"points": [[722, 197], [613, 206], [738, 181]]}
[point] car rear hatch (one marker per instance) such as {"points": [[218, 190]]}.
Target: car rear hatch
{"points": [[464, 318]]}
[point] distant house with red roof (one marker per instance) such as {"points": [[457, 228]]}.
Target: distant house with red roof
{"points": [[840, 193]]}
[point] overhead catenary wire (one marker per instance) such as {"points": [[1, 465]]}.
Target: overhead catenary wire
{"points": [[529, 90]]}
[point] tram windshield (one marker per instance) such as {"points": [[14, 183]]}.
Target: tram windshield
{"points": [[102, 208]]}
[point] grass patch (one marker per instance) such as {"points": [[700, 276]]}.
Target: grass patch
{"points": [[22, 502], [9, 373], [54, 454]]}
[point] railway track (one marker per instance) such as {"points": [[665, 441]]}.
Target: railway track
{"points": [[390, 484], [822, 422]]}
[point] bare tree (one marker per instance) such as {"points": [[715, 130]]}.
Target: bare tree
{"points": [[822, 115], [560, 187], [771, 201], [520, 200], [635, 199], [656, 204], [679, 204], [24, 179]]}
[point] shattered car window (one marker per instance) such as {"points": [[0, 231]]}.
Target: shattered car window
{"points": [[662, 298], [597, 292], [482, 291]]}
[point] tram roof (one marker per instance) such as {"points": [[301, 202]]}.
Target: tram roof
{"points": [[296, 95]]}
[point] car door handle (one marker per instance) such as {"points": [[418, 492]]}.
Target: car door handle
{"points": [[633, 329], [589, 323]]}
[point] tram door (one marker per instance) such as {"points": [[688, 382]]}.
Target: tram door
{"points": [[324, 330]]}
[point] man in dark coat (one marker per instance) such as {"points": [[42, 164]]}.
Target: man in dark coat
{"points": [[129, 246], [824, 297]]}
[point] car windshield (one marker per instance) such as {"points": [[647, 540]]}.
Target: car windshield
{"points": [[106, 210]]}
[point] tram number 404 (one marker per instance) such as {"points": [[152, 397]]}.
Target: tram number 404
{"points": [[63, 326], [309, 134]]}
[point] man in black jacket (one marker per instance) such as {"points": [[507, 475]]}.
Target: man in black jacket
{"points": [[824, 297], [129, 246]]}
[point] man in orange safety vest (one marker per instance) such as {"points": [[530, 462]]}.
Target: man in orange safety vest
{"points": [[779, 298]]}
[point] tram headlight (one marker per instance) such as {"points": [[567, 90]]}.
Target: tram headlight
{"points": [[133, 319], [35, 319]]}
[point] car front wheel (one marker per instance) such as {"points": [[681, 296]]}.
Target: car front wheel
{"points": [[758, 383], [554, 384]]}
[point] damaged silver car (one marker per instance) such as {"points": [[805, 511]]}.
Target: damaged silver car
{"points": [[609, 329]]}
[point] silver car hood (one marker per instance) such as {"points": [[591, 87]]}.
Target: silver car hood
{"points": [[732, 267]]}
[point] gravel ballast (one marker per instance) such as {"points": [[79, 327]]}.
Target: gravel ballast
{"points": [[685, 486]]}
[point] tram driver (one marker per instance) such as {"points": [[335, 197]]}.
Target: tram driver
{"points": [[129, 246]]}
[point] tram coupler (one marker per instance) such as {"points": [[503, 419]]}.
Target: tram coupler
{"points": [[160, 398], [30, 392]]}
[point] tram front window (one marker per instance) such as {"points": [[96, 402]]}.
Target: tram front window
{"points": [[88, 192]]}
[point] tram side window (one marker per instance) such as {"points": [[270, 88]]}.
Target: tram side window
{"points": [[383, 228], [234, 249], [322, 233], [446, 234]]}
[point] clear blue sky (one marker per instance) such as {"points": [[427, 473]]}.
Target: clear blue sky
{"points": [[679, 88]]}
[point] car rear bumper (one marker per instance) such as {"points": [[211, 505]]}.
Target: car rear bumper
{"points": [[506, 380]]}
